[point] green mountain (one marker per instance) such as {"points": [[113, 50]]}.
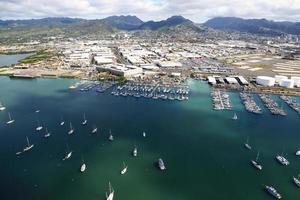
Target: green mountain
{"points": [[254, 26]]}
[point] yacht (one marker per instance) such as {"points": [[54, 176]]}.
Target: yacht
{"points": [[67, 156], [83, 166], [10, 121], [296, 181], [124, 170], [272, 191], [111, 137], [2, 107], [247, 146], [255, 162], [144, 134], [62, 122], [282, 160], [134, 152], [29, 146], [47, 134], [39, 127], [235, 117], [84, 122], [94, 130], [110, 195], [71, 131], [72, 87], [161, 164]]}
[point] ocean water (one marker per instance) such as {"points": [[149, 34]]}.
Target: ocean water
{"points": [[11, 59], [202, 148]]}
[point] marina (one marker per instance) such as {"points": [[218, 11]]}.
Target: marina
{"points": [[154, 91], [249, 103], [272, 105], [221, 100], [291, 102]]}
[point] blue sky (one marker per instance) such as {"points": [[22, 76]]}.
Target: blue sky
{"points": [[196, 10]]}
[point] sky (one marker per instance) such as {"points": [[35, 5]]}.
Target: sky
{"points": [[195, 10]]}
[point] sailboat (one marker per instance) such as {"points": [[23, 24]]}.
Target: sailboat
{"points": [[111, 137], [94, 130], [282, 160], [71, 131], [144, 134], [246, 145], [2, 107], [134, 152], [110, 195], [29, 146], [10, 121], [297, 181], [37, 111], [62, 122], [68, 154], [84, 122], [83, 166], [47, 133], [124, 170], [255, 162], [235, 117], [39, 126]]}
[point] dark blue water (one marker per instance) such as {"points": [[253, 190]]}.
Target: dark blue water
{"points": [[202, 149]]}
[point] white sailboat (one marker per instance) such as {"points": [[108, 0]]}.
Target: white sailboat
{"points": [[124, 170], [29, 146], [235, 117], [2, 107], [134, 152], [247, 145], [110, 195], [10, 121], [144, 134], [37, 111], [255, 162], [83, 166], [47, 134], [68, 154], [84, 122], [39, 126], [71, 131], [94, 130], [111, 137], [62, 122]]}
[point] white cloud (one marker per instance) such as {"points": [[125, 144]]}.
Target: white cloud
{"points": [[196, 10]]}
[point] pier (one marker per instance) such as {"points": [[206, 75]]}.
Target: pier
{"points": [[272, 105], [291, 102], [249, 103], [221, 100]]}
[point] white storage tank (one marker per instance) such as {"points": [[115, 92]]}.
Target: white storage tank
{"points": [[265, 80], [279, 78], [287, 83]]}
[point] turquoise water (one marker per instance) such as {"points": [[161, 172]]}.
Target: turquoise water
{"points": [[11, 59], [202, 149]]}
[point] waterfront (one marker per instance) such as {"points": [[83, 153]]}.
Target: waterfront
{"points": [[202, 148], [11, 59]]}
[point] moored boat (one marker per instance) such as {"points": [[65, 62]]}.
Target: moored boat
{"points": [[272, 191], [296, 181], [161, 164], [110, 195], [29, 146], [282, 160]]}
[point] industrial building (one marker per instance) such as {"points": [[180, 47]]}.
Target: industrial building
{"points": [[121, 70], [265, 81]]}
